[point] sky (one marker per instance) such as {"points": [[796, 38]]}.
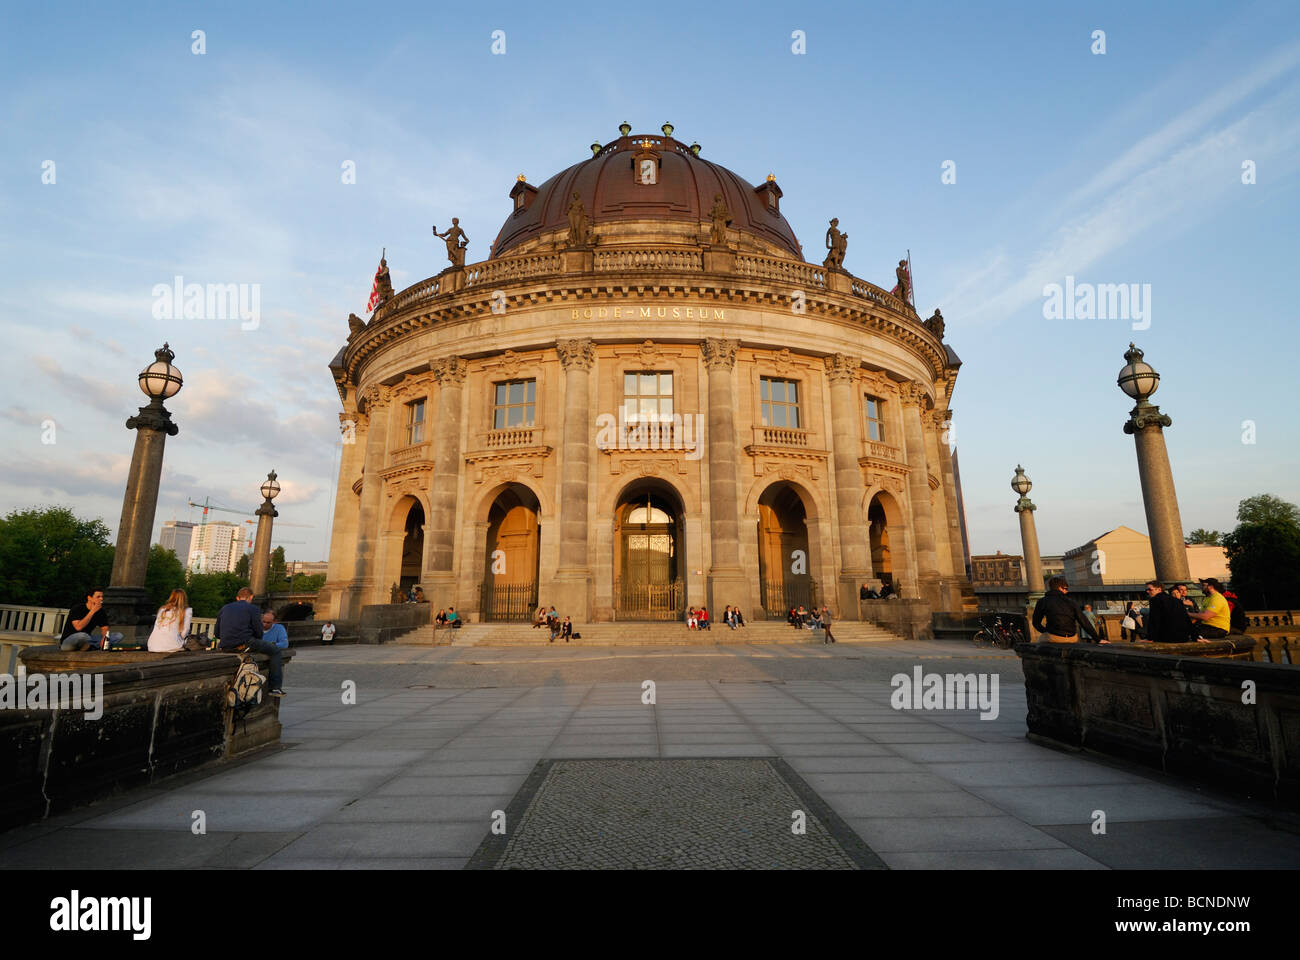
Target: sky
{"points": [[129, 158]]}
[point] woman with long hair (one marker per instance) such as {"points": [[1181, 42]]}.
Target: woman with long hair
{"points": [[172, 624]]}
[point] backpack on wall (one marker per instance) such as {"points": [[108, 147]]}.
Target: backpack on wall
{"points": [[246, 689]]}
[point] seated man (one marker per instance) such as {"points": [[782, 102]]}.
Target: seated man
{"points": [[274, 632], [239, 624], [1215, 617], [453, 618], [87, 624], [1167, 621]]}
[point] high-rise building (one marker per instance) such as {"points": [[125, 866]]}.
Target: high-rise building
{"points": [[176, 536], [216, 547]]}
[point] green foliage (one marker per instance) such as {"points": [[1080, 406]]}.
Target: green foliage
{"points": [[164, 574], [209, 592], [50, 557], [1265, 507], [1201, 535], [277, 578], [1264, 553], [242, 566], [308, 583]]}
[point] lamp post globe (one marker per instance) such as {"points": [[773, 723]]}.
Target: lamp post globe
{"points": [[260, 564], [271, 487], [1137, 378], [161, 380], [1028, 534], [1021, 483]]}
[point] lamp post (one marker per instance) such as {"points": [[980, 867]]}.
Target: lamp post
{"points": [[1147, 424], [1028, 533], [126, 602], [261, 563]]}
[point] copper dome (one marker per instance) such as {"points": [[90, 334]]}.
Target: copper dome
{"points": [[685, 187]]}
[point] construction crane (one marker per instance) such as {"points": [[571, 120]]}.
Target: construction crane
{"points": [[207, 505]]}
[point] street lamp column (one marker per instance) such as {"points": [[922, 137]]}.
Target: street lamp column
{"points": [[126, 602], [1147, 425], [1028, 534], [260, 565]]}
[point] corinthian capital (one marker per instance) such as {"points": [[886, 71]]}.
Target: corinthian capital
{"points": [[912, 393], [841, 368], [449, 371], [719, 354], [579, 353], [373, 396]]}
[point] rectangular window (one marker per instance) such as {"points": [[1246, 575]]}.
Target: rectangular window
{"points": [[647, 396], [875, 420], [780, 402], [515, 404], [415, 422]]}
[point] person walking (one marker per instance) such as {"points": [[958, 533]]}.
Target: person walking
{"points": [[171, 625], [826, 625]]}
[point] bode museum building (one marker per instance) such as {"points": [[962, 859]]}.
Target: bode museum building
{"points": [[645, 399]]}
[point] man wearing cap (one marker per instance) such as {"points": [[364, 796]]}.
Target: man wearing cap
{"points": [[1216, 617]]}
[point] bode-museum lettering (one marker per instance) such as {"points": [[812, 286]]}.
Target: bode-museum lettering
{"points": [[662, 313]]}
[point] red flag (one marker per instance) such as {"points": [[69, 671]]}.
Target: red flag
{"points": [[374, 289]]}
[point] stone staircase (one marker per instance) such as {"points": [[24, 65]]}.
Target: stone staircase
{"points": [[627, 634]]}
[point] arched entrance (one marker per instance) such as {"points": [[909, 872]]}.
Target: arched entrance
{"points": [[648, 555], [509, 589], [882, 562], [783, 556], [412, 548]]}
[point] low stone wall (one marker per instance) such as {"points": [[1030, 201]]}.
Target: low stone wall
{"points": [[161, 714], [907, 618], [383, 622], [1180, 710]]}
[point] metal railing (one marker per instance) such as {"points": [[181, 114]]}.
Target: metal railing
{"points": [[637, 600], [779, 596], [507, 602]]}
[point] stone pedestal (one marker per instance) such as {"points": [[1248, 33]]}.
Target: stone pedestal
{"points": [[453, 280], [838, 281], [579, 260], [719, 260]]}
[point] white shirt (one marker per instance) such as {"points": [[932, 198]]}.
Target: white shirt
{"points": [[327, 632], [167, 635]]}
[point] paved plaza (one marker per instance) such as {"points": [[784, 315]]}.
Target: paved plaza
{"points": [[442, 743]]}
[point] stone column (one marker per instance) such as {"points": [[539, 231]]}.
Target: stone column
{"points": [[963, 590], [727, 583], [260, 564], [855, 552], [363, 589], [439, 573], [572, 581], [918, 485], [126, 602], [343, 530], [1164, 524], [1029, 543]]}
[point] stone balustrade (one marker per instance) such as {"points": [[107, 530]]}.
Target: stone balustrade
{"points": [[882, 451], [510, 437], [650, 258], [17, 618], [780, 436], [409, 453]]}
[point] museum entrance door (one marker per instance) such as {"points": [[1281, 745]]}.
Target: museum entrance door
{"points": [[647, 576], [882, 560], [509, 589], [783, 561]]}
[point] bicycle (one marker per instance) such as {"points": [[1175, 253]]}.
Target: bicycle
{"points": [[995, 632]]}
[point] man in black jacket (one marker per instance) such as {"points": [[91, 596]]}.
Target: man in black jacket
{"points": [[1168, 621], [1058, 618]]}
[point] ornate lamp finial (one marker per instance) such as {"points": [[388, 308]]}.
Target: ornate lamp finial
{"points": [[625, 128], [667, 128]]}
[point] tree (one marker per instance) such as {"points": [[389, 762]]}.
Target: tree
{"points": [[164, 574], [1201, 535], [1264, 553], [277, 578], [50, 557], [308, 582], [209, 592], [1266, 507], [242, 566]]}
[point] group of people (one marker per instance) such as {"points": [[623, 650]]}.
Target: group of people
{"points": [[552, 622], [801, 618], [886, 592], [447, 618], [240, 626], [415, 594], [1171, 615]]}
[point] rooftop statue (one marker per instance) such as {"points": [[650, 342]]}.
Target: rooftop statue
{"points": [[837, 243], [904, 289], [721, 217], [457, 241], [355, 325], [579, 227], [935, 324], [384, 281]]}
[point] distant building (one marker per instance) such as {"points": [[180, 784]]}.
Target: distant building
{"points": [[1123, 556], [308, 567], [997, 570], [176, 536], [1053, 567], [1207, 560], [216, 547]]}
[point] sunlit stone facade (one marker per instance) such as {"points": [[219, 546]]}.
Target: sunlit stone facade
{"points": [[645, 399]]}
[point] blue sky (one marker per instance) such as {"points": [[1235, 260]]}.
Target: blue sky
{"points": [[225, 168]]}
